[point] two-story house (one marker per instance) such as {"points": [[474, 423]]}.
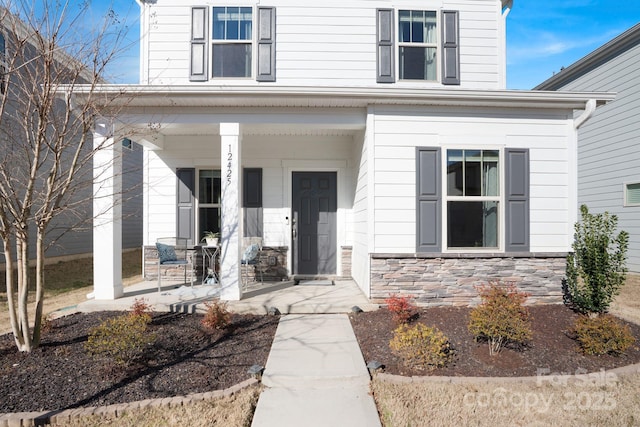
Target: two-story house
{"points": [[367, 139]]}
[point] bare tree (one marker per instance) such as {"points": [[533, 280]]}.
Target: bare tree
{"points": [[46, 145]]}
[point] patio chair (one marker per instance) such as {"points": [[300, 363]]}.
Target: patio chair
{"points": [[251, 257], [170, 258]]}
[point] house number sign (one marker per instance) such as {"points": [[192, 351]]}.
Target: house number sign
{"points": [[229, 159]]}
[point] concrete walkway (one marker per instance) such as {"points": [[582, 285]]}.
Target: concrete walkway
{"points": [[315, 376]]}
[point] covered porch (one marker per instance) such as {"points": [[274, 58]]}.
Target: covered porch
{"points": [[229, 165]]}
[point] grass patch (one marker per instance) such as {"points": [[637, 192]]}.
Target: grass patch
{"points": [[65, 276], [610, 401], [68, 282], [233, 411]]}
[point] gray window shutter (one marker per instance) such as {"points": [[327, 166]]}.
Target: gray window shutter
{"points": [[385, 49], [198, 70], [252, 188], [450, 48], [252, 202], [185, 195], [517, 200], [266, 44], [428, 209]]}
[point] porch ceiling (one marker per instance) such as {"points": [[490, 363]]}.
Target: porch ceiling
{"points": [[203, 129]]}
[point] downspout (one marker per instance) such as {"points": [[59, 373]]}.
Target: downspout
{"points": [[506, 8], [589, 109]]}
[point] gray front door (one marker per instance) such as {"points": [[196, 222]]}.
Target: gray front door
{"points": [[314, 222]]}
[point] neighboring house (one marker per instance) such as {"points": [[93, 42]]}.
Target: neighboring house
{"points": [[71, 235], [608, 147], [364, 139]]}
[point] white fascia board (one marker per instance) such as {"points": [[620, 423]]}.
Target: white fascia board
{"points": [[332, 97]]}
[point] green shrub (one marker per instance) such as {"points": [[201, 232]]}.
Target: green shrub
{"points": [[421, 347], [401, 307], [501, 318], [602, 335], [120, 340], [596, 269], [217, 316]]}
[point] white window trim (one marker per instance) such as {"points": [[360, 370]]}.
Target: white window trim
{"points": [[199, 205], [252, 42], [446, 198], [437, 45], [625, 188]]}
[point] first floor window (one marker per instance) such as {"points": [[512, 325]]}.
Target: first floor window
{"points": [[417, 44], [473, 198], [232, 41], [632, 194], [209, 199]]}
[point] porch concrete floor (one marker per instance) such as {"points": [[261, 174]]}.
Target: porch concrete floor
{"points": [[258, 299]]}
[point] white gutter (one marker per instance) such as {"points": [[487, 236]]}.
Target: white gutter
{"points": [[248, 96], [589, 109], [507, 8]]}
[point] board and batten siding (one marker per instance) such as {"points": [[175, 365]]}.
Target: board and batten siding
{"points": [[324, 44], [608, 154], [399, 131]]}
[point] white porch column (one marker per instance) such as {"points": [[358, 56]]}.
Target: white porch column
{"points": [[107, 214], [230, 149]]}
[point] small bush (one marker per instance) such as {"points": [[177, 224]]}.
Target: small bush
{"points": [[140, 308], [401, 307], [217, 316], [602, 335], [421, 347], [596, 269], [501, 318], [120, 340], [46, 325]]}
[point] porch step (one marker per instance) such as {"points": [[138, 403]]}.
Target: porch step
{"points": [[256, 289]]}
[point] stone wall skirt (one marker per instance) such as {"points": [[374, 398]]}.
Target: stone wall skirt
{"points": [[452, 279]]}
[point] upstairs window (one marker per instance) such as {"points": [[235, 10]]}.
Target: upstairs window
{"points": [[425, 46], [417, 45], [232, 42], [632, 194]]}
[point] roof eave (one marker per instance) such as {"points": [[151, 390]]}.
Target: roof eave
{"points": [[254, 96]]}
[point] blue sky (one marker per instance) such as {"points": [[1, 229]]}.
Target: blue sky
{"points": [[545, 35], [542, 35]]}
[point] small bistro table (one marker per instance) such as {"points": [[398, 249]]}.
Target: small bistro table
{"points": [[209, 265]]}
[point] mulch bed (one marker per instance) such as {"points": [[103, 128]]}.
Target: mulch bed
{"points": [[186, 358], [551, 347]]}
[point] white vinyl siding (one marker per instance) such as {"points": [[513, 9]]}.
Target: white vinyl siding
{"points": [[399, 131], [327, 44]]}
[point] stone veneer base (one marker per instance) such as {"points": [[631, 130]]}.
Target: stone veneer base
{"points": [[451, 279]]}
